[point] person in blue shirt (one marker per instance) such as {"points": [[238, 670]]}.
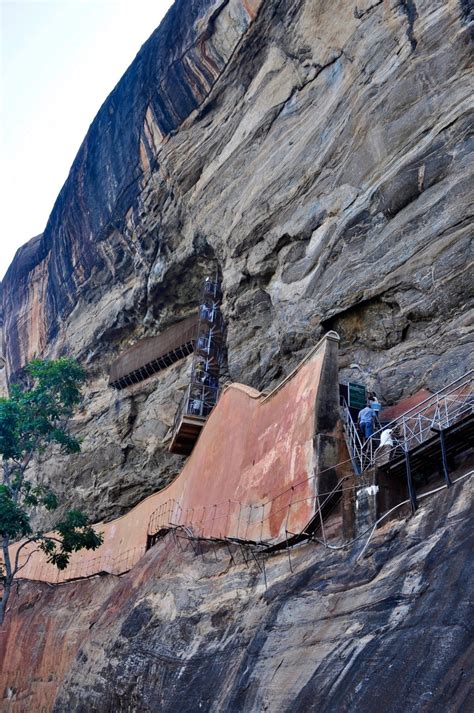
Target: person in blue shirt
{"points": [[366, 421]]}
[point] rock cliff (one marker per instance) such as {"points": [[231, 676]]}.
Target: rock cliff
{"points": [[315, 154], [189, 632]]}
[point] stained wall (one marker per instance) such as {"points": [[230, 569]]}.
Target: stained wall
{"points": [[253, 475]]}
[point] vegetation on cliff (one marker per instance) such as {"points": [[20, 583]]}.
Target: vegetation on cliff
{"points": [[32, 421]]}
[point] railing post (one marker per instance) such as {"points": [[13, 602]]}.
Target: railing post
{"points": [[411, 489], [444, 458]]}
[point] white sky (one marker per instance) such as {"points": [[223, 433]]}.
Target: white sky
{"points": [[59, 61]]}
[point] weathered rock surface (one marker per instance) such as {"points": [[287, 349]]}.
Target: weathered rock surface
{"points": [[187, 632], [316, 153], [3, 371]]}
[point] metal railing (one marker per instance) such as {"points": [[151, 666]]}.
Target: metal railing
{"points": [[437, 412], [197, 400], [357, 448], [228, 521], [239, 521], [83, 567], [202, 393]]}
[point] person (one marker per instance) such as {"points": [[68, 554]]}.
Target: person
{"points": [[382, 453], [386, 438], [366, 421], [374, 403]]}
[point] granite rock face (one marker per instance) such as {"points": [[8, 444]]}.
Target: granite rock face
{"points": [[314, 153], [185, 631]]}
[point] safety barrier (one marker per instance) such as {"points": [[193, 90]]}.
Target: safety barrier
{"points": [[243, 522], [210, 523], [436, 413], [85, 567]]}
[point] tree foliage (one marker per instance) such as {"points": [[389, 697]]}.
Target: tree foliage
{"points": [[33, 420]]}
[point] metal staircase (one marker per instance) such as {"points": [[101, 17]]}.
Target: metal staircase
{"points": [[454, 404], [203, 391]]}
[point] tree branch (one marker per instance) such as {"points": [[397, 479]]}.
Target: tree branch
{"points": [[18, 569], [6, 556], [17, 554]]}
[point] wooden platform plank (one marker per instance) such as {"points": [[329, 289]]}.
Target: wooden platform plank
{"points": [[186, 434]]}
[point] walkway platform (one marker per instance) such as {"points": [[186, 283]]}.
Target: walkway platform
{"points": [[152, 354], [441, 411], [186, 434], [426, 457]]}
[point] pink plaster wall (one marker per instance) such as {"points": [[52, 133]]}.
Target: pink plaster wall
{"points": [[250, 476]]}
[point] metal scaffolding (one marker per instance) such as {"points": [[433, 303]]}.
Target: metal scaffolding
{"points": [[203, 391], [451, 405]]}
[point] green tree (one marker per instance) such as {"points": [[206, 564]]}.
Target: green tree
{"points": [[34, 420]]}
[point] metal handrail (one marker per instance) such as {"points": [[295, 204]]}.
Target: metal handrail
{"points": [[466, 378], [354, 441], [433, 401], [439, 410]]}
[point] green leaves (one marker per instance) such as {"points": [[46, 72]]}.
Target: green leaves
{"points": [[10, 418], [74, 533], [50, 500], [32, 419], [60, 379], [14, 520], [36, 495]]}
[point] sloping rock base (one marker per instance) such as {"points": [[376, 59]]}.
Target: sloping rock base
{"points": [[185, 631]]}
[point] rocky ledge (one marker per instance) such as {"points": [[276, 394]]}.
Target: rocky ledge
{"points": [[189, 631]]}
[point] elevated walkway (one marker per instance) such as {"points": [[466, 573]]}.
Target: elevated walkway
{"points": [[259, 473], [439, 412], [429, 454], [203, 391], [152, 354]]}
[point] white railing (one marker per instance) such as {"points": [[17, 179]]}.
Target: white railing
{"points": [[439, 411], [353, 440]]}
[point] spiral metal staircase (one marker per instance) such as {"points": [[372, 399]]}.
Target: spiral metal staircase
{"points": [[202, 393]]}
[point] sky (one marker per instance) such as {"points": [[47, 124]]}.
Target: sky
{"points": [[59, 61]]}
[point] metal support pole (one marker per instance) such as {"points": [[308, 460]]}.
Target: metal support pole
{"points": [[227, 521], [248, 521], [411, 489], [255, 558], [191, 542], [242, 550], [444, 458], [323, 533], [264, 571], [213, 520], [442, 441], [288, 551], [232, 560]]}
